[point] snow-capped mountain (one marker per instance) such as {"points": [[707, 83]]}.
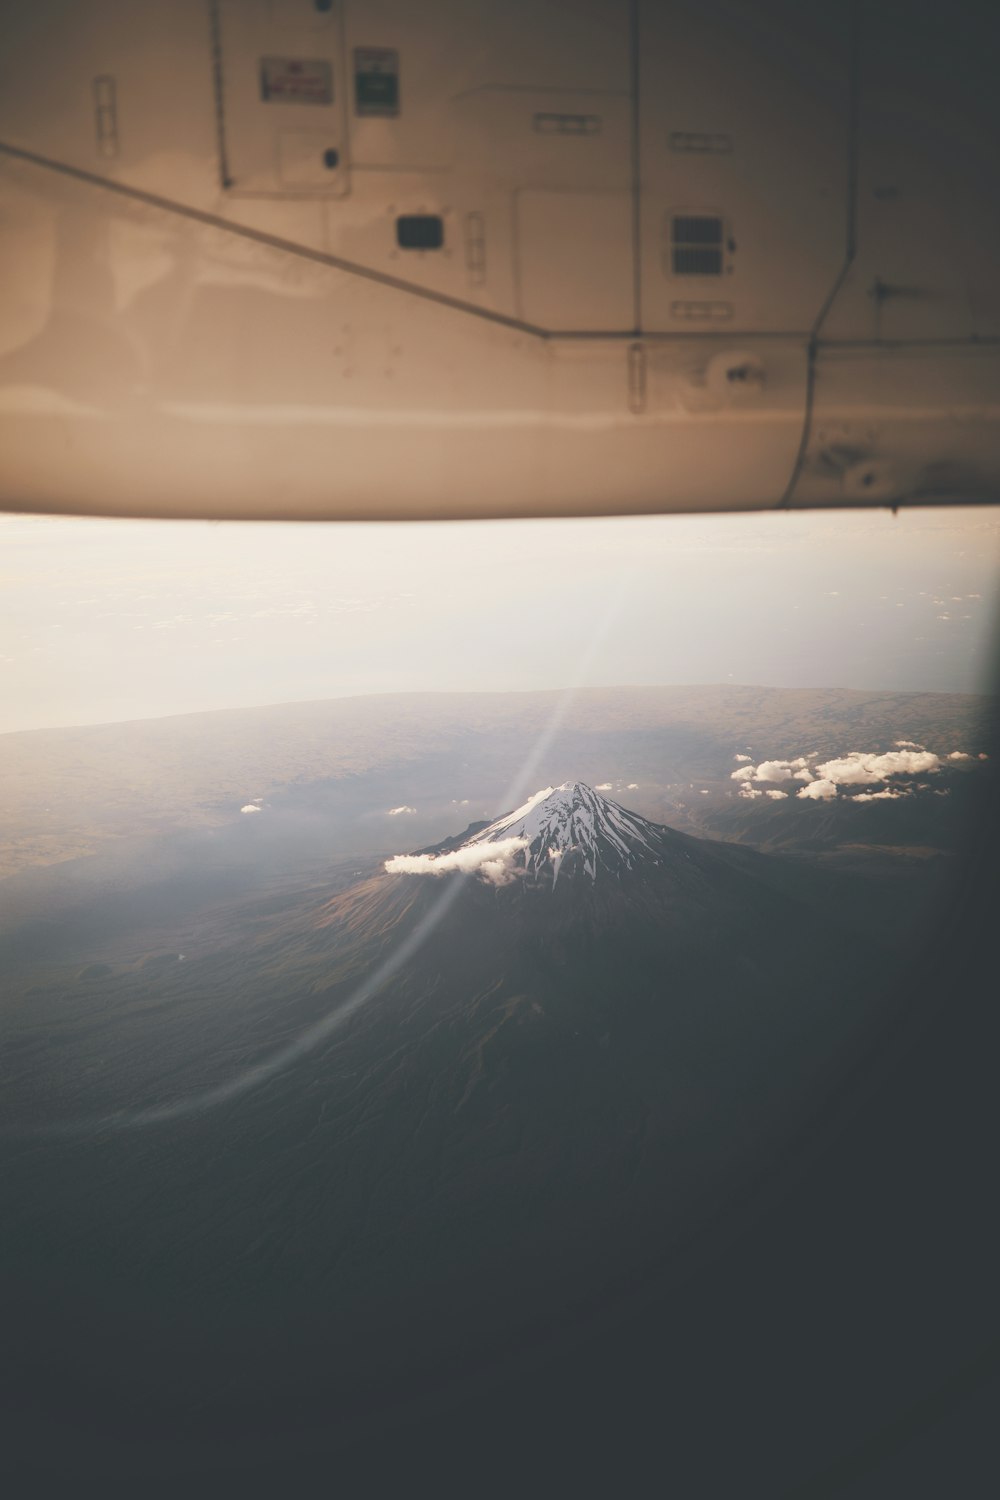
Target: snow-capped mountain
{"points": [[567, 834], [574, 830]]}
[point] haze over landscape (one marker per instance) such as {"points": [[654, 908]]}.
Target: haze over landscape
{"points": [[107, 620]]}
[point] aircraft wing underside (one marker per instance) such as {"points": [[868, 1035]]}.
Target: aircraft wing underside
{"points": [[329, 258]]}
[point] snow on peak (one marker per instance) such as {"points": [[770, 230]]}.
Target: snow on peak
{"points": [[572, 820]]}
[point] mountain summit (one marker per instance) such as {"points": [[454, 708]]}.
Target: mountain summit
{"points": [[572, 830]]}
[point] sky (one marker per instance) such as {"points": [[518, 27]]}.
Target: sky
{"points": [[105, 620]]}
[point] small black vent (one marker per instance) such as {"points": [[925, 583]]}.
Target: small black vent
{"points": [[697, 260], [420, 231], [696, 245], [697, 231]]}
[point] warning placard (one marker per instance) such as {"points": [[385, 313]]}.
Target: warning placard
{"points": [[376, 81], [296, 80]]}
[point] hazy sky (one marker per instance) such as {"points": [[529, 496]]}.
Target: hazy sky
{"points": [[107, 620]]}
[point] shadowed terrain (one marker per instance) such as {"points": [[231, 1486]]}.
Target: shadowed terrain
{"points": [[316, 1157]]}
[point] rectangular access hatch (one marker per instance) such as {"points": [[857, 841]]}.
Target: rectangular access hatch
{"points": [[281, 99]]}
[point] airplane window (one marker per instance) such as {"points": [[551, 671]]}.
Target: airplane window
{"points": [[411, 934], [498, 883]]}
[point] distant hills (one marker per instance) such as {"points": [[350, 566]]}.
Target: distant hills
{"points": [[67, 792]]}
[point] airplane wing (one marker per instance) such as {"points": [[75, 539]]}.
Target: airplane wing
{"points": [[338, 259]]}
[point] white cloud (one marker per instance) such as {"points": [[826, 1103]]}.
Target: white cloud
{"points": [[773, 770], [604, 786], [394, 812], [493, 861], [776, 796], [742, 757], [862, 769], [856, 769], [749, 792], [780, 770], [889, 794], [633, 786], [819, 791], [251, 807]]}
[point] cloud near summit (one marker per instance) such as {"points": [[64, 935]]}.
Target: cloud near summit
{"points": [[493, 861]]}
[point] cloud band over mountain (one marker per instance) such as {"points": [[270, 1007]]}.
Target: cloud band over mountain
{"points": [[493, 861]]}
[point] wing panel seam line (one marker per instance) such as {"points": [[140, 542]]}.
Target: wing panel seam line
{"points": [[274, 241]]}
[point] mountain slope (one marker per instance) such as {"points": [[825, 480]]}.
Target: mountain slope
{"points": [[550, 1079]]}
